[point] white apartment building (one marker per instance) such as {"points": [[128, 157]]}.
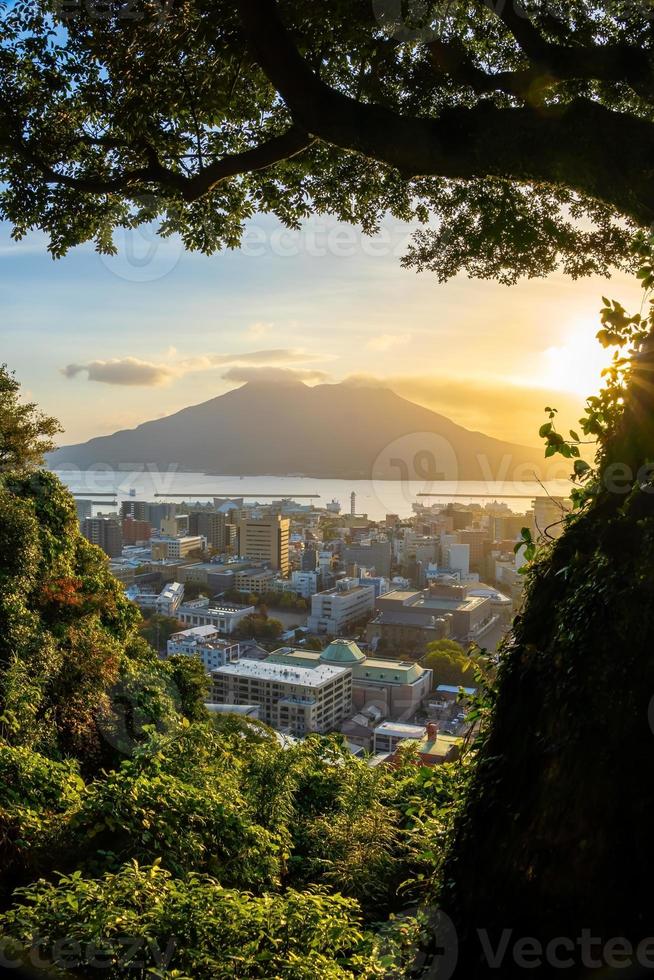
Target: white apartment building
{"points": [[223, 616], [165, 603], [337, 610], [304, 584], [389, 734], [296, 699], [205, 643]]}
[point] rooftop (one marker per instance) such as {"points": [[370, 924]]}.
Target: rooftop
{"points": [[342, 652], [195, 633], [397, 729], [282, 673]]}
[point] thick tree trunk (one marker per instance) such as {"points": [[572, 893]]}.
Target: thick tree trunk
{"points": [[556, 841]]}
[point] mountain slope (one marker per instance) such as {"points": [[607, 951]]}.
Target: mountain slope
{"points": [[327, 431]]}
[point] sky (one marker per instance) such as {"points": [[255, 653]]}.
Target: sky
{"points": [[105, 343]]}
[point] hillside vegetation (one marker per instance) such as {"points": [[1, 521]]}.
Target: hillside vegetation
{"points": [[137, 832]]}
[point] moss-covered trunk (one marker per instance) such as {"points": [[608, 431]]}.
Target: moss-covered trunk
{"points": [[556, 840]]}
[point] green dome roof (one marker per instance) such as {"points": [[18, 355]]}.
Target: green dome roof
{"points": [[342, 652]]}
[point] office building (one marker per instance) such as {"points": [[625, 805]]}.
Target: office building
{"points": [[265, 540], [408, 621], [212, 525], [175, 526], [309, 559], [338, 610], [296, 699], [135, 531], [254, 581], [304, 583], [177, 547], [224, 616], [376, 554]]}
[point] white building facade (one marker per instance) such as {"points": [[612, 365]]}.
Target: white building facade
{"points": [[223, 616], [205, 643], [300, 700], [337, 610]]}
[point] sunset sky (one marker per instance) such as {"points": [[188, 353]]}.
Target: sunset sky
{"points": [[106, 343]]}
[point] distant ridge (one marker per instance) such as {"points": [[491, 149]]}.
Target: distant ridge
{"points": [[331, 430]]}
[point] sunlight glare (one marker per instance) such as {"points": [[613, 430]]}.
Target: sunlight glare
{"points": [[576, 365]]}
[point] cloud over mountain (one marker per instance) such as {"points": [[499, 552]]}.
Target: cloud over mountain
{"points": [[134, 371]]}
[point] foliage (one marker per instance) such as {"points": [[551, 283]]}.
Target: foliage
{"points": [[570, 716], [26, 433], [272, 600], [127, 812], [196, 118], [158, 629], [143, 919], [259, 627], [449, 662]]}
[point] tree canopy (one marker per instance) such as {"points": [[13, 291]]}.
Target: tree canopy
{"points": [[25, 432], [525, 131]]}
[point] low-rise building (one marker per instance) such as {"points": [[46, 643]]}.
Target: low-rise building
{"points": [[296, 699], [254, 581], [177, 547], [433, 748], [337, 610], [411, 620], [164, 603], [388, 735], [224, 616], [205, 643], [392, 688]]}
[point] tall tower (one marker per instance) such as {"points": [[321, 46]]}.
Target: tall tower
{"points": [[353, 504]]}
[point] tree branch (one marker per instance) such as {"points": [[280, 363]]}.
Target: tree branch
{"points": [[274, 150], [607, 63], [560, 144]]}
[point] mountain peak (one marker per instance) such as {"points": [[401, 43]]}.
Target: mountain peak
{"points": [[273, 427]]}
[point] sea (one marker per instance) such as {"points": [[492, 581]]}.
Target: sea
{"points": [[107, 488]]}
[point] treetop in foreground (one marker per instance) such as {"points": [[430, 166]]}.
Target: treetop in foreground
{"points": [[526, 132]]}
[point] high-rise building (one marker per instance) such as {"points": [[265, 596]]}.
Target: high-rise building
{"points": [[84, 509], [309, 559], [211, 525], [106, 533], [138, 509], [475, 538], [265, 539], [135, 530]]}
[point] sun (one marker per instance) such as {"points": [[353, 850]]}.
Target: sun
{"points": [[576, 366]]}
